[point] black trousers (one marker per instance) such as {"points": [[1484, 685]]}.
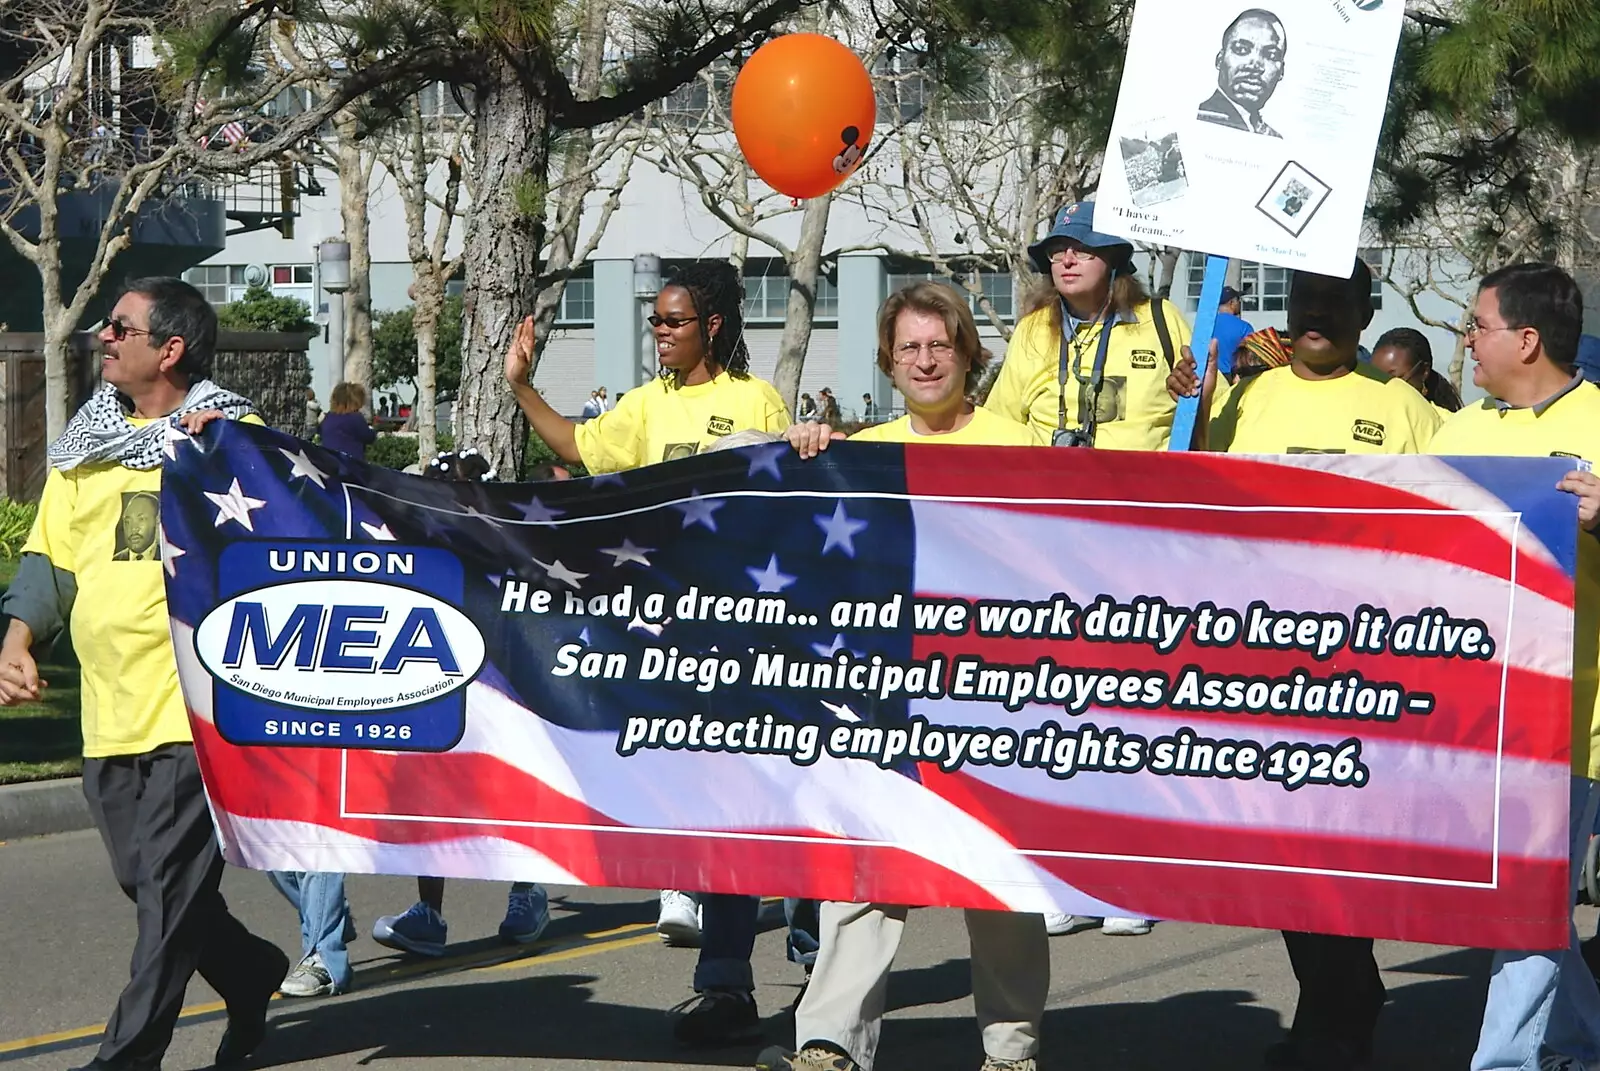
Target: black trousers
{"points": [[152, 815], [1341, 994]]}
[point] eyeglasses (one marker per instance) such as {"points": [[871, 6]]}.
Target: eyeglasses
{"points": [[1475, 328], [120, 331], [907, 352], [1059, 256], [671, 321]]}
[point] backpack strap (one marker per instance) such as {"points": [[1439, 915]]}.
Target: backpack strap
{"points": [[1158, 311]]}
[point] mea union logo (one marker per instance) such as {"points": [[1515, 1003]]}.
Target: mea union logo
{"points": [[340, 645]]}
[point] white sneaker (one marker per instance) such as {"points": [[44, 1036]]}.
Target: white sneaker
{"points": [[1059, 924], [679, 921], [1115, 927]]}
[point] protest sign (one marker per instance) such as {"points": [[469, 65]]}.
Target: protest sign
{"points": [[1312, 692], [1249, 132]]}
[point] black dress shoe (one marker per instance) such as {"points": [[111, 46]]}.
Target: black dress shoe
{"points": [[247, 1012]]}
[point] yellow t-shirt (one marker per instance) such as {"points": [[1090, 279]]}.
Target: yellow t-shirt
{"points": [[1365, 412], [1135, 411], [1570, 427], [984, 429], [102, 523], [658, 423]]}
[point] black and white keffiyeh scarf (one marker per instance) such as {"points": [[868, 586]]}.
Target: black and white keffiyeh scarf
{"points": [[101, 430]]}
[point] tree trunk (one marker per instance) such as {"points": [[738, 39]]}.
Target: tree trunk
{"points": [[1168, 263], [502, 251], [57, 340], [801, 312], [1458, 363], [355, 180], [425, 322]]}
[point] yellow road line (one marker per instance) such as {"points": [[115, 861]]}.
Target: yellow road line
{"points": [[615, 939]]}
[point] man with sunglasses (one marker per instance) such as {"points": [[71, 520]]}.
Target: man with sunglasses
{"points": [[140, 777], [1543, 1007]]}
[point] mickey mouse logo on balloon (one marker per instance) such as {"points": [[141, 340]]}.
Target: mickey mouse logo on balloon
{"points": [[846, 161], [803, 112]]}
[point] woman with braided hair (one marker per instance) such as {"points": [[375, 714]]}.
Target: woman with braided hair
{"points": [[705, 389], [704, 392]]}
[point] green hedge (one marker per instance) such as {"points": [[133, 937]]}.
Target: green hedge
{"points": [[16, 521]]}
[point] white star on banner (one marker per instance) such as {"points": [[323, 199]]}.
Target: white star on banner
{"points": [[170, 554], [831, 649], [841, 530], [235, 506], [175, 435], [842, 711], [642, 625], [770, 580], [583, 637], [495, 580], [699, 510], [537, 512], [300, 465], [378, 531], [558, 572], [765, 459], [628, 552]]}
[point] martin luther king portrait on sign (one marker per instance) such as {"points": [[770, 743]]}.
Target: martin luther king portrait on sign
{"points": [[1249, 67]]}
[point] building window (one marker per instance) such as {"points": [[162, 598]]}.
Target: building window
{"points": [[577, 303], [766, 295], [291, 275], [212, 280], [996, 287], [1266, 286], [438, 101], [1374, 260]]}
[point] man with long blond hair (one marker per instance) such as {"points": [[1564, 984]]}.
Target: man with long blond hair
{"points": [[928, 342]]}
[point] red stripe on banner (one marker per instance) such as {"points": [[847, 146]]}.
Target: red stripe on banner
{"points": [[298, 785], [1442, 535], [1467, 693]]}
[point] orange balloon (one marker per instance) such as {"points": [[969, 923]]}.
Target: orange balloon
{"points": [[803, 110]]}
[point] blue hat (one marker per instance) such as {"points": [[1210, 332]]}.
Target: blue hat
{"points": [[1076, 221], [1589, 357]]}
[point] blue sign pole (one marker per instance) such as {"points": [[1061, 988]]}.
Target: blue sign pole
{"points": [[1205, 324]]}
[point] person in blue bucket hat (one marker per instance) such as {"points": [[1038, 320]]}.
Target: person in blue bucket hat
{"points": [[1088, 362]]}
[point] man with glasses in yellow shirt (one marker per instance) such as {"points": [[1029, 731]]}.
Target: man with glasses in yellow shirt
{"points": [[928, 342], [98, 532], [1543, 1007]]}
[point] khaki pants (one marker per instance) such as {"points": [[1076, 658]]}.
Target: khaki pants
{"points": [[843, 1004]]}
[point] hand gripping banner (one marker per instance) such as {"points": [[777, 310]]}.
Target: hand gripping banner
{"points": [[1306, 692]]}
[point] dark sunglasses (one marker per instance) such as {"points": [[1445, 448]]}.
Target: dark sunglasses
{"points": [[670, 321], [120, 331]]}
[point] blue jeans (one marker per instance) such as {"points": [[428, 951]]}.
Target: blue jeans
{"points": [[1545, 998], [319, 900], [728, 926]]}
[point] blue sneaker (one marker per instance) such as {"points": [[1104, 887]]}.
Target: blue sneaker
{"points": [[527, 914], [421, 930]]}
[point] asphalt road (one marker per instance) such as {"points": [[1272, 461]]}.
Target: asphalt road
{"points": [[596, 991]]}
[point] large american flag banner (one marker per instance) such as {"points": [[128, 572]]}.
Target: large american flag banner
{"points": [[1308, 692]]}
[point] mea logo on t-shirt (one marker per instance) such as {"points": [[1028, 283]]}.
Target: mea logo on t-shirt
{"points": [[719, 425], [1367, 431], [1143, 359]]}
